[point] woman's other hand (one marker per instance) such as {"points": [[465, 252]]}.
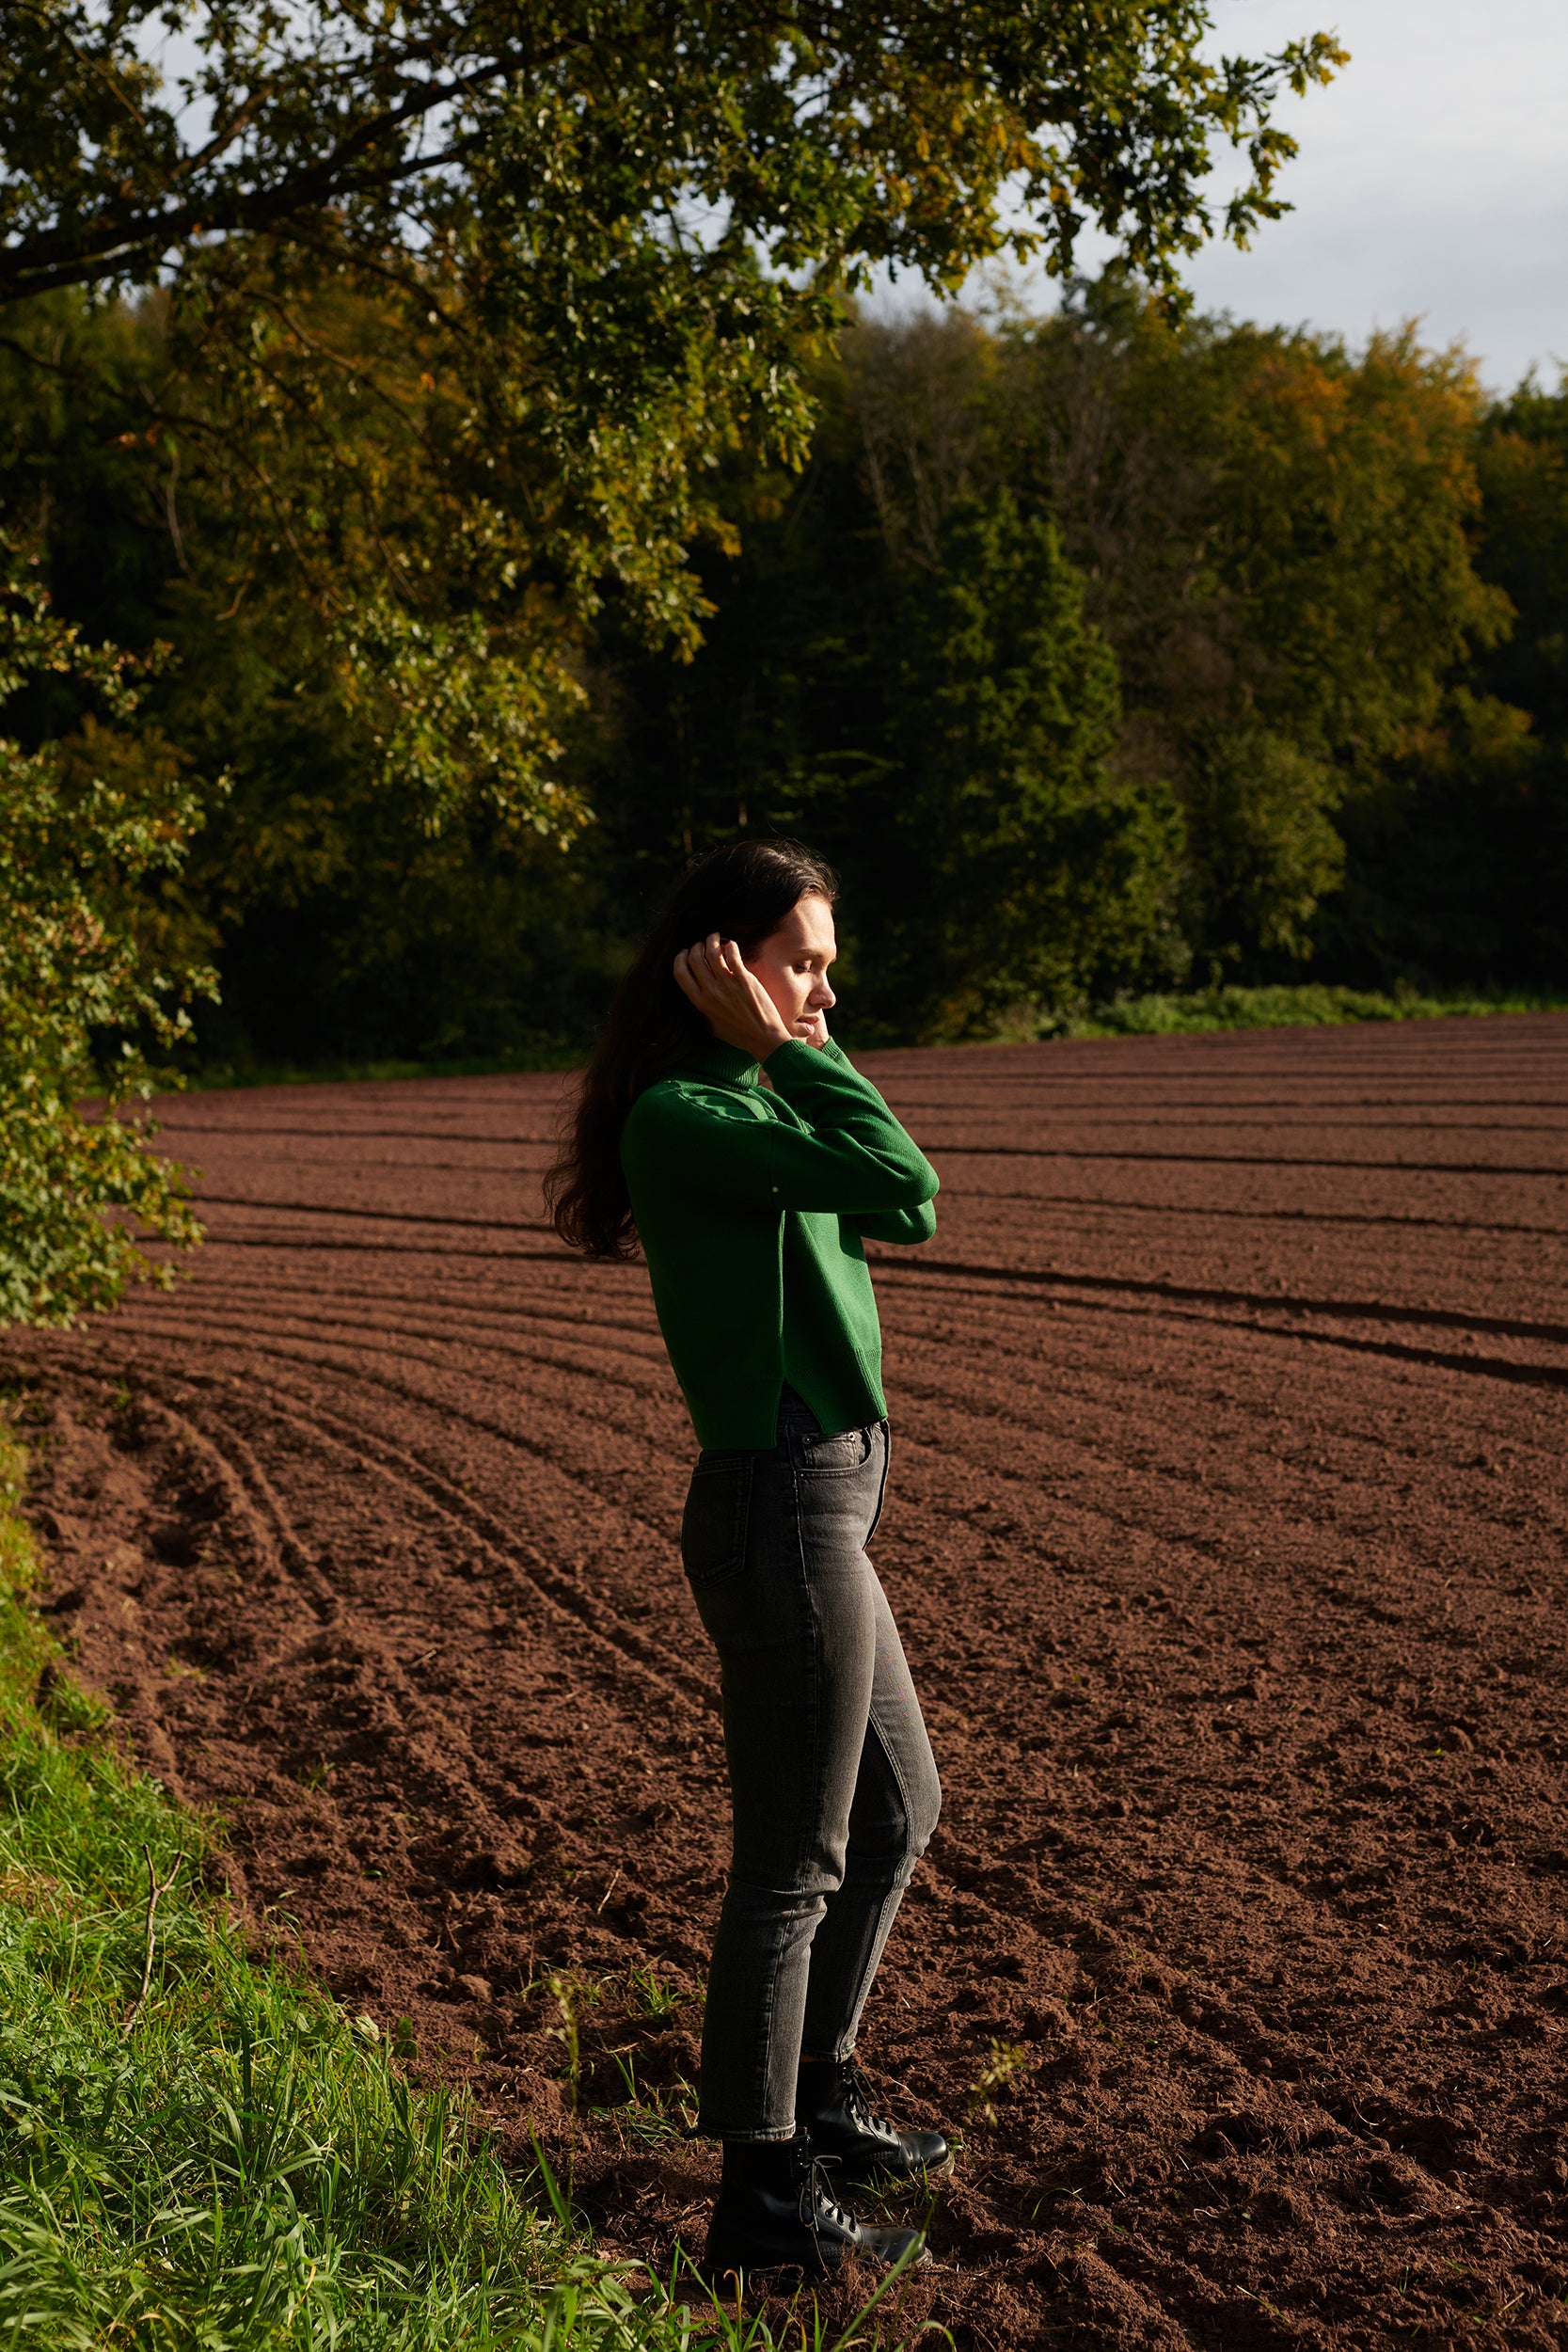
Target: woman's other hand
{"points": [[734, 1003]]}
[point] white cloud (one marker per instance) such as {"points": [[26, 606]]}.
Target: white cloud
{"points": [[1432, 182]]}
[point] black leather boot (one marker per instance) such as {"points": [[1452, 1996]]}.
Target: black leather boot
{"points": [[830, 2103], [776, 2212]]}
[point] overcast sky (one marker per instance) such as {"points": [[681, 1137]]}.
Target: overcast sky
{"points": [[1432, 182]]}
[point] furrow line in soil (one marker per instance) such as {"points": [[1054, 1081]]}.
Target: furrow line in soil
{"points": [[673, 1674], [937, 1150], [175, 1127], [356, 1339], [1077, 1386], [1137, 1513], [279, 1311], [467, 1303], [1263, 1216], [1180, 1293], [390, 1217], [1235, 1473], [286, 1242], [647, 1657], [338, 1619]]}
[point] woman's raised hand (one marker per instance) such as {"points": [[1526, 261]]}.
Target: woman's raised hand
{"points": [[732, 1000]]}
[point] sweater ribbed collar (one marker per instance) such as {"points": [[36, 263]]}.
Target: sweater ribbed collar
{"points": [[725, 1065]]}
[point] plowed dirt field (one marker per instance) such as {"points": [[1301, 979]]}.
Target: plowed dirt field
{"points": [[1226, 1532]]}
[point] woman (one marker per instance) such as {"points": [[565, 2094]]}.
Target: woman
{"points": [[752, 1206]]}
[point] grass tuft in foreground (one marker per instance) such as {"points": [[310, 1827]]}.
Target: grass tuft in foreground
{"points": [[236, 2163]]}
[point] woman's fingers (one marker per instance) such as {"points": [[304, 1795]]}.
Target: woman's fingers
{"points": [[712, 973], [713, 960], [701, 971]]}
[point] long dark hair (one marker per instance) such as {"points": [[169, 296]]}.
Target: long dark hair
{"points": [[744, 891]]}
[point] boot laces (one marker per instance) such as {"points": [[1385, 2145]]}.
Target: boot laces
{"points": [[817, 2196], [858, 2102]]}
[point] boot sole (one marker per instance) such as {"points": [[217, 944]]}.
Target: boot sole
{"points": [[891, 2180], [793, 2274], [736, 2278], [807, 2268]]}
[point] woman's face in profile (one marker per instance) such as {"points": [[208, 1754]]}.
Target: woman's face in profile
{"points": [[792, 966]]}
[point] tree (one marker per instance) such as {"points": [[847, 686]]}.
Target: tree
{"points": [[1023, 872], [1277, 539], [1524, 550], [89, 978], [467, 301], [1523, 461], [942, 724], [1315, 591], [1459, 861]]}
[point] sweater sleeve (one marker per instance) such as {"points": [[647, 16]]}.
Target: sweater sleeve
{"points": [[842, 1150], [909, 1226]]}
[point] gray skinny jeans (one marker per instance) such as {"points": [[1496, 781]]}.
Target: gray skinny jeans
{"points": [[834, 1787]]}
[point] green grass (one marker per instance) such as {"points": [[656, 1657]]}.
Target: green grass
{"points": [[1307, 1005], [240, 2163]]}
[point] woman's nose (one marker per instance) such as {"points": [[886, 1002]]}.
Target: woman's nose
{"points": [[822, 997]]}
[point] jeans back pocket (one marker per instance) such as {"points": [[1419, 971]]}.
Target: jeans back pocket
{"points": [[716, 1523]]}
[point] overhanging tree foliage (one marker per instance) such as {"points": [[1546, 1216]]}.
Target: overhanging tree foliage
{"points": [[561, 256], [567, 133]]}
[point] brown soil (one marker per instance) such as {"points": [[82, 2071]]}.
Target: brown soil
{"points": [[1228, 1536]]}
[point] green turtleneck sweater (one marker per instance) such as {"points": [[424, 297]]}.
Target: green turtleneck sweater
{"points": [[752, 1205]]}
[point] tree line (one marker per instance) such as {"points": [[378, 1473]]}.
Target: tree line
{"points": [[1101, 651], [1107, 652]]}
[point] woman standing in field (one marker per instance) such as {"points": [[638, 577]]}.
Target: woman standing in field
{"points": [[752, 1205]]}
